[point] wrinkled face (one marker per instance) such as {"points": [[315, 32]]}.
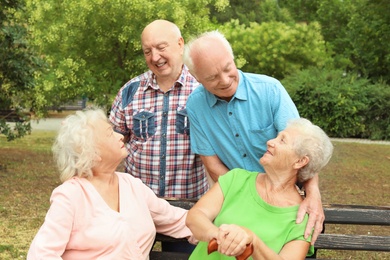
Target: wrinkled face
{"points": [[163, 50], [216, 71], [109, 143], [281, 153]]}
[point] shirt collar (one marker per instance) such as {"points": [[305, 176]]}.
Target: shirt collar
{"points": [[151, 80]]}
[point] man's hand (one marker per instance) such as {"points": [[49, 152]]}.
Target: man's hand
{"points": [[313, 206]]}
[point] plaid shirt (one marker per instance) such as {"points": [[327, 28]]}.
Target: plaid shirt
{"points": [[158, 130]]}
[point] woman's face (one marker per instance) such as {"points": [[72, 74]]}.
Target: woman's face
{"points": [[110, 144], [280, 153]]}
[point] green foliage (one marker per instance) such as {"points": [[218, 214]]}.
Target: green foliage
{"points": [[344, 105], [369, 32], [93, 47], [376, 117], [302, 10], [357, 32], [17, 64], [18, 130], [246, 12], [276, 49]]}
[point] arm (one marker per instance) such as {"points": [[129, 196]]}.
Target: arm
{"points": [[214, 166], [201, 216], [313, 206], [53, 236], [168, 220]]}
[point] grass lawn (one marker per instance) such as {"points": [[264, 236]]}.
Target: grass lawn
{"points": [[357, 174]]}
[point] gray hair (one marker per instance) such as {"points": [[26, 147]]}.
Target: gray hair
{"points": [[196, 44], [313, 143], [74, 147]]}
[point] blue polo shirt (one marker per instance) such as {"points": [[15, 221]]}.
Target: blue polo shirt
{"points": [[237, 131]]}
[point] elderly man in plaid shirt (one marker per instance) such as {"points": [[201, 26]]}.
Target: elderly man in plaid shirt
{"points": [[150, 110]]}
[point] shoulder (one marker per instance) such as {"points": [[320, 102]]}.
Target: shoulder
{"points": [[197, 95], [259, 78], [236, 177], [70, 189], [140, 79], [260, 82]]}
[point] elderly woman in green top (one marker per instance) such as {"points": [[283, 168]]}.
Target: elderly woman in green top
{"points": [[259, 209]]}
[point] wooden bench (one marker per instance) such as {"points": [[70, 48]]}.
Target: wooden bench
{"points": [[334, 214]]}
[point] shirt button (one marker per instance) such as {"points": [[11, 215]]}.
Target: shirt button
{"points": [[237, 135], [230, 113], [244, 155]]}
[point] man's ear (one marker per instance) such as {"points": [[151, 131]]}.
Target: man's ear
{"points": [[300, 163]]}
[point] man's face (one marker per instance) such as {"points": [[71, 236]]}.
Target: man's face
{"points": [[163, 52], [216, 71]]}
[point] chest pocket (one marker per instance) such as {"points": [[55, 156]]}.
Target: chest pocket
{"points": [[144, 124], [182, 122]]}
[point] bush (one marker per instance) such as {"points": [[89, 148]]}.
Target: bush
{"points": [[376, 117], [344, 105], [276, 49]]}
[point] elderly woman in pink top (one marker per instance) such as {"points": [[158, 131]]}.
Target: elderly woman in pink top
{"points": [[98, 213]]}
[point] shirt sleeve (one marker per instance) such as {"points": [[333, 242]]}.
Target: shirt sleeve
{"points": [[199, 141], [284, 108], [51, 240]]}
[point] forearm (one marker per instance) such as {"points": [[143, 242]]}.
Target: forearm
{"points": [[214, 166], [201, 226], [216, 172], [312, 186]]}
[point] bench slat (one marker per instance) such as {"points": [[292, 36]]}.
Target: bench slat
{"points": [[157, 255], [353, 242], [362, 215]]}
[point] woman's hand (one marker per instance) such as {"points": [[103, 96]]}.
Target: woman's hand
{"points": [[232, 240]]}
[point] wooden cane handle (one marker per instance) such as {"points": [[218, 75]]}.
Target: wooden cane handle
{"points": [[213, 246]]}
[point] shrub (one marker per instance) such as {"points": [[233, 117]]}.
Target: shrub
{"points": [[276, 49], [344, 105]]}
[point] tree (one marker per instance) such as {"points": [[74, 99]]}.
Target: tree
{"points": [[276, 49], [17, 64], [357, 32], [369, 32], [93, 47], [246, 12]]}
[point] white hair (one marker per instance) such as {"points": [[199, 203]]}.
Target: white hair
{"points": [[74, 147], [195, 44], [313, 143]]}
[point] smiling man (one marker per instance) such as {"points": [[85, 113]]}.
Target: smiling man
{"points": [[149, 111], [234, 113]]}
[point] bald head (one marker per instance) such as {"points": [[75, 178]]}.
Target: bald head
{"points": [[161, 27], [163, 47]]}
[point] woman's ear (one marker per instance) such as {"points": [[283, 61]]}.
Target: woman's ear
{"points": [[301, 162]]}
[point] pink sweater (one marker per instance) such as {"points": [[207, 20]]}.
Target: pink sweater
{"points": [[80, 225]]}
